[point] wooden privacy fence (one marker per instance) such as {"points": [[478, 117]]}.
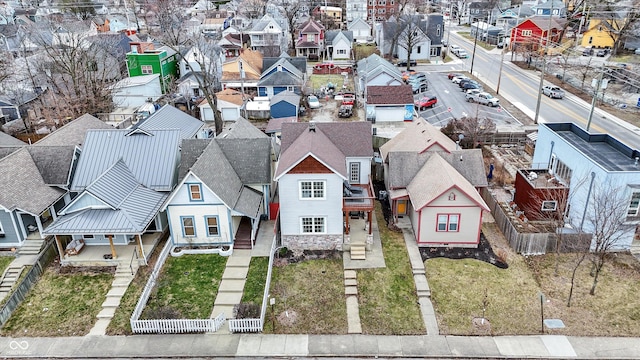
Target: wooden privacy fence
{"points": [[21, 291], [527, 243], [256, 325], [168, 326]]}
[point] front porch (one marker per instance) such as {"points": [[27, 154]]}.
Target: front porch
{"points": [[94, 255]]}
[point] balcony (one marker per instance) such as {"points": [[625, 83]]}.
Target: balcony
{"points": [[359, 201]]}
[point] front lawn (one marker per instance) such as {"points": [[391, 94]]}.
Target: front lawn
{"points": [[256, 280], [4, 263], [309, 298], [387, 296], [186, 288], [60, 304]]}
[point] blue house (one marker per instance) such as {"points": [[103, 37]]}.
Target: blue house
{"points": [[279, 77], [223, 192], [591, 165], [285, 104], [122, 179]]}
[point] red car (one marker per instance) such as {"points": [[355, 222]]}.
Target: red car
{"points": [[452, 75], [348, 99], [426, 102]]}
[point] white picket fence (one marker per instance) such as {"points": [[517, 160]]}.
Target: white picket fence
{"points": [[168, 326], [256, 325]]}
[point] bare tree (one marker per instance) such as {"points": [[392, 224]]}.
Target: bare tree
{"points": [[608, 213], [290, 9], [253, 9], [474, 130], [584, 70], [82, 9], [621, 22], [172, 33], [411, 34]]}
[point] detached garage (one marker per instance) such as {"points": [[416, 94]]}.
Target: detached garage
{"points": [[285, 104], [389, 104]]}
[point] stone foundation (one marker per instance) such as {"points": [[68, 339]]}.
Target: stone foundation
{"points": [[313, 242]]}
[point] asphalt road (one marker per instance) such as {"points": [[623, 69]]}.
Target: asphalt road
{"points": [[521, 89]]}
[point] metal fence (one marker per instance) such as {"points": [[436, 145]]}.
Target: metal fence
{"points": [[256, 325], [22, 290], [168, 326]]}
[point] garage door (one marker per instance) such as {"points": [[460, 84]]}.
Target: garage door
{"points": [[229, 114], [389, 114]]}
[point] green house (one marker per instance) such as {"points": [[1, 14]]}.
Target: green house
{"points": [[162, 61]]}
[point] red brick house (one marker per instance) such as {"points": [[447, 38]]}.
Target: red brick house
{"points": [[383, 9], [532, 33]]}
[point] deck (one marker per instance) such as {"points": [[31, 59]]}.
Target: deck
{"points": [[93, 255]]}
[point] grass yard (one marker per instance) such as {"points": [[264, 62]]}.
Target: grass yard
{"points": [[614, 310], [458, 288], [362, 51], [4, 263], [60, 305], [187, 287], [318, 81], [387, 297], [311, 293], [256, 280]]}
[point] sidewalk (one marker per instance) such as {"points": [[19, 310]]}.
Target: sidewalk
{"points": [[212, 345]]}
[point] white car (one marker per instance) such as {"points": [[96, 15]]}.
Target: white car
{"points": [[484, 99], [462, 54], [313, 101], [454, 48], [457, 79]]}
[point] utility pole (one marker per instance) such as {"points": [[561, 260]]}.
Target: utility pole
{"points": [[544, 66], [598, 84], [500, 71], [475, 43]]}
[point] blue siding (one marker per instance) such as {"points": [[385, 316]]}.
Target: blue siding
{"points": [[8, 229], [279, 89], [262, 91], [283, 109]]}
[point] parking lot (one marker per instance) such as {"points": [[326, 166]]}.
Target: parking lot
{"points": [[452, 104]]}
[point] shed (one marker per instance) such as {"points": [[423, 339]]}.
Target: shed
{"points": [[258, 108], [285, 104]]}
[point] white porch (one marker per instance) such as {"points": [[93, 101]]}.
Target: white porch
{"points": [[94, 255]]}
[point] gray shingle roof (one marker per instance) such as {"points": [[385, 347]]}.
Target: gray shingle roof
{"points": [[8, 140], [23, 186], [280, 78], [418, 136], [152, 156], [288, 96], [6, 150], [190, 151], [74, 132], [243, 129], [133, 206], [53, 162], [168, 117], [299, 62], [250, 158]]}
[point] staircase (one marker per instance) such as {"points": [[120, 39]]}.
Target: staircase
{"points": [[358, 252], [243, 236], [121, 281], [8, 280], [31, 247]]}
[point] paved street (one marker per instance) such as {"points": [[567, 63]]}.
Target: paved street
{"points": [[521, 88]]}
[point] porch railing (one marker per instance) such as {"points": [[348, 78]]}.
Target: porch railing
{"points": [[254, 324], [168, 326]]}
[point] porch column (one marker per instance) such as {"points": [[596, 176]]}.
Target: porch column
{"points": [[370, 221], [52, 210], [113, 248], [59, 246], [39, 224], [141, 249], [346, 226]]}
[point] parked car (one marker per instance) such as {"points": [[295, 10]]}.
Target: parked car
{"points": [[345, 111], [464, 81], [637, 51], [452, 75], [471, 85], [471, 93], [484, 99], [406, 74], [601, 53], [404, 63], [587, 52], [553, 91], [349, 99], [462, 54], [444, 43], [426, 102], [457, 79], [313, 101], [454, 49], [418, 76], [418, 87]]}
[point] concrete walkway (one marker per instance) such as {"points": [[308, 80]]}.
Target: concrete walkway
{"points": [[26, 256], [123, 277]]}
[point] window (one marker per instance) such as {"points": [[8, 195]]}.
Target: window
{"points": [[590, 39], [1, 230], [354, 173], [634, 204], [526, 32], [438, 30], [188, 226], [448, 222], [147, 69], [381, 11], [341, 51], [419, 49], [212, 225], [195, 192], [549, 205], [561, 170], [92, 65], [312, 225], [312, 189]]}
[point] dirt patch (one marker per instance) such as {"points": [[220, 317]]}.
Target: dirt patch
{"points": [[286, 256], [484, 252], [71, 270]]}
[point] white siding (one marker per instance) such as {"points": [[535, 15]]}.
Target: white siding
{"points": [[292, 209], [386, 114], [341, 44], [199, 213], [181, 194], [365, 168]]}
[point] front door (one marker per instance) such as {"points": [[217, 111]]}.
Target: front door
{"points": [[401, 207]]}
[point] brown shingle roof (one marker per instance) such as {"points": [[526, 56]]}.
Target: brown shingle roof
{"points": [[389, 95], [230, 95]]}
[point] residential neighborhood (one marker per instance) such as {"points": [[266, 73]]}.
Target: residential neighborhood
{"points": [[335, 179]]}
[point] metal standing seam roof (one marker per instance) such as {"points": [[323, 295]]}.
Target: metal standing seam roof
{"points": [[312, 143], [152, 156], [169, 117], [23, 186], [435, 178], [418, 136], [133, 206], [74, 132]]}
